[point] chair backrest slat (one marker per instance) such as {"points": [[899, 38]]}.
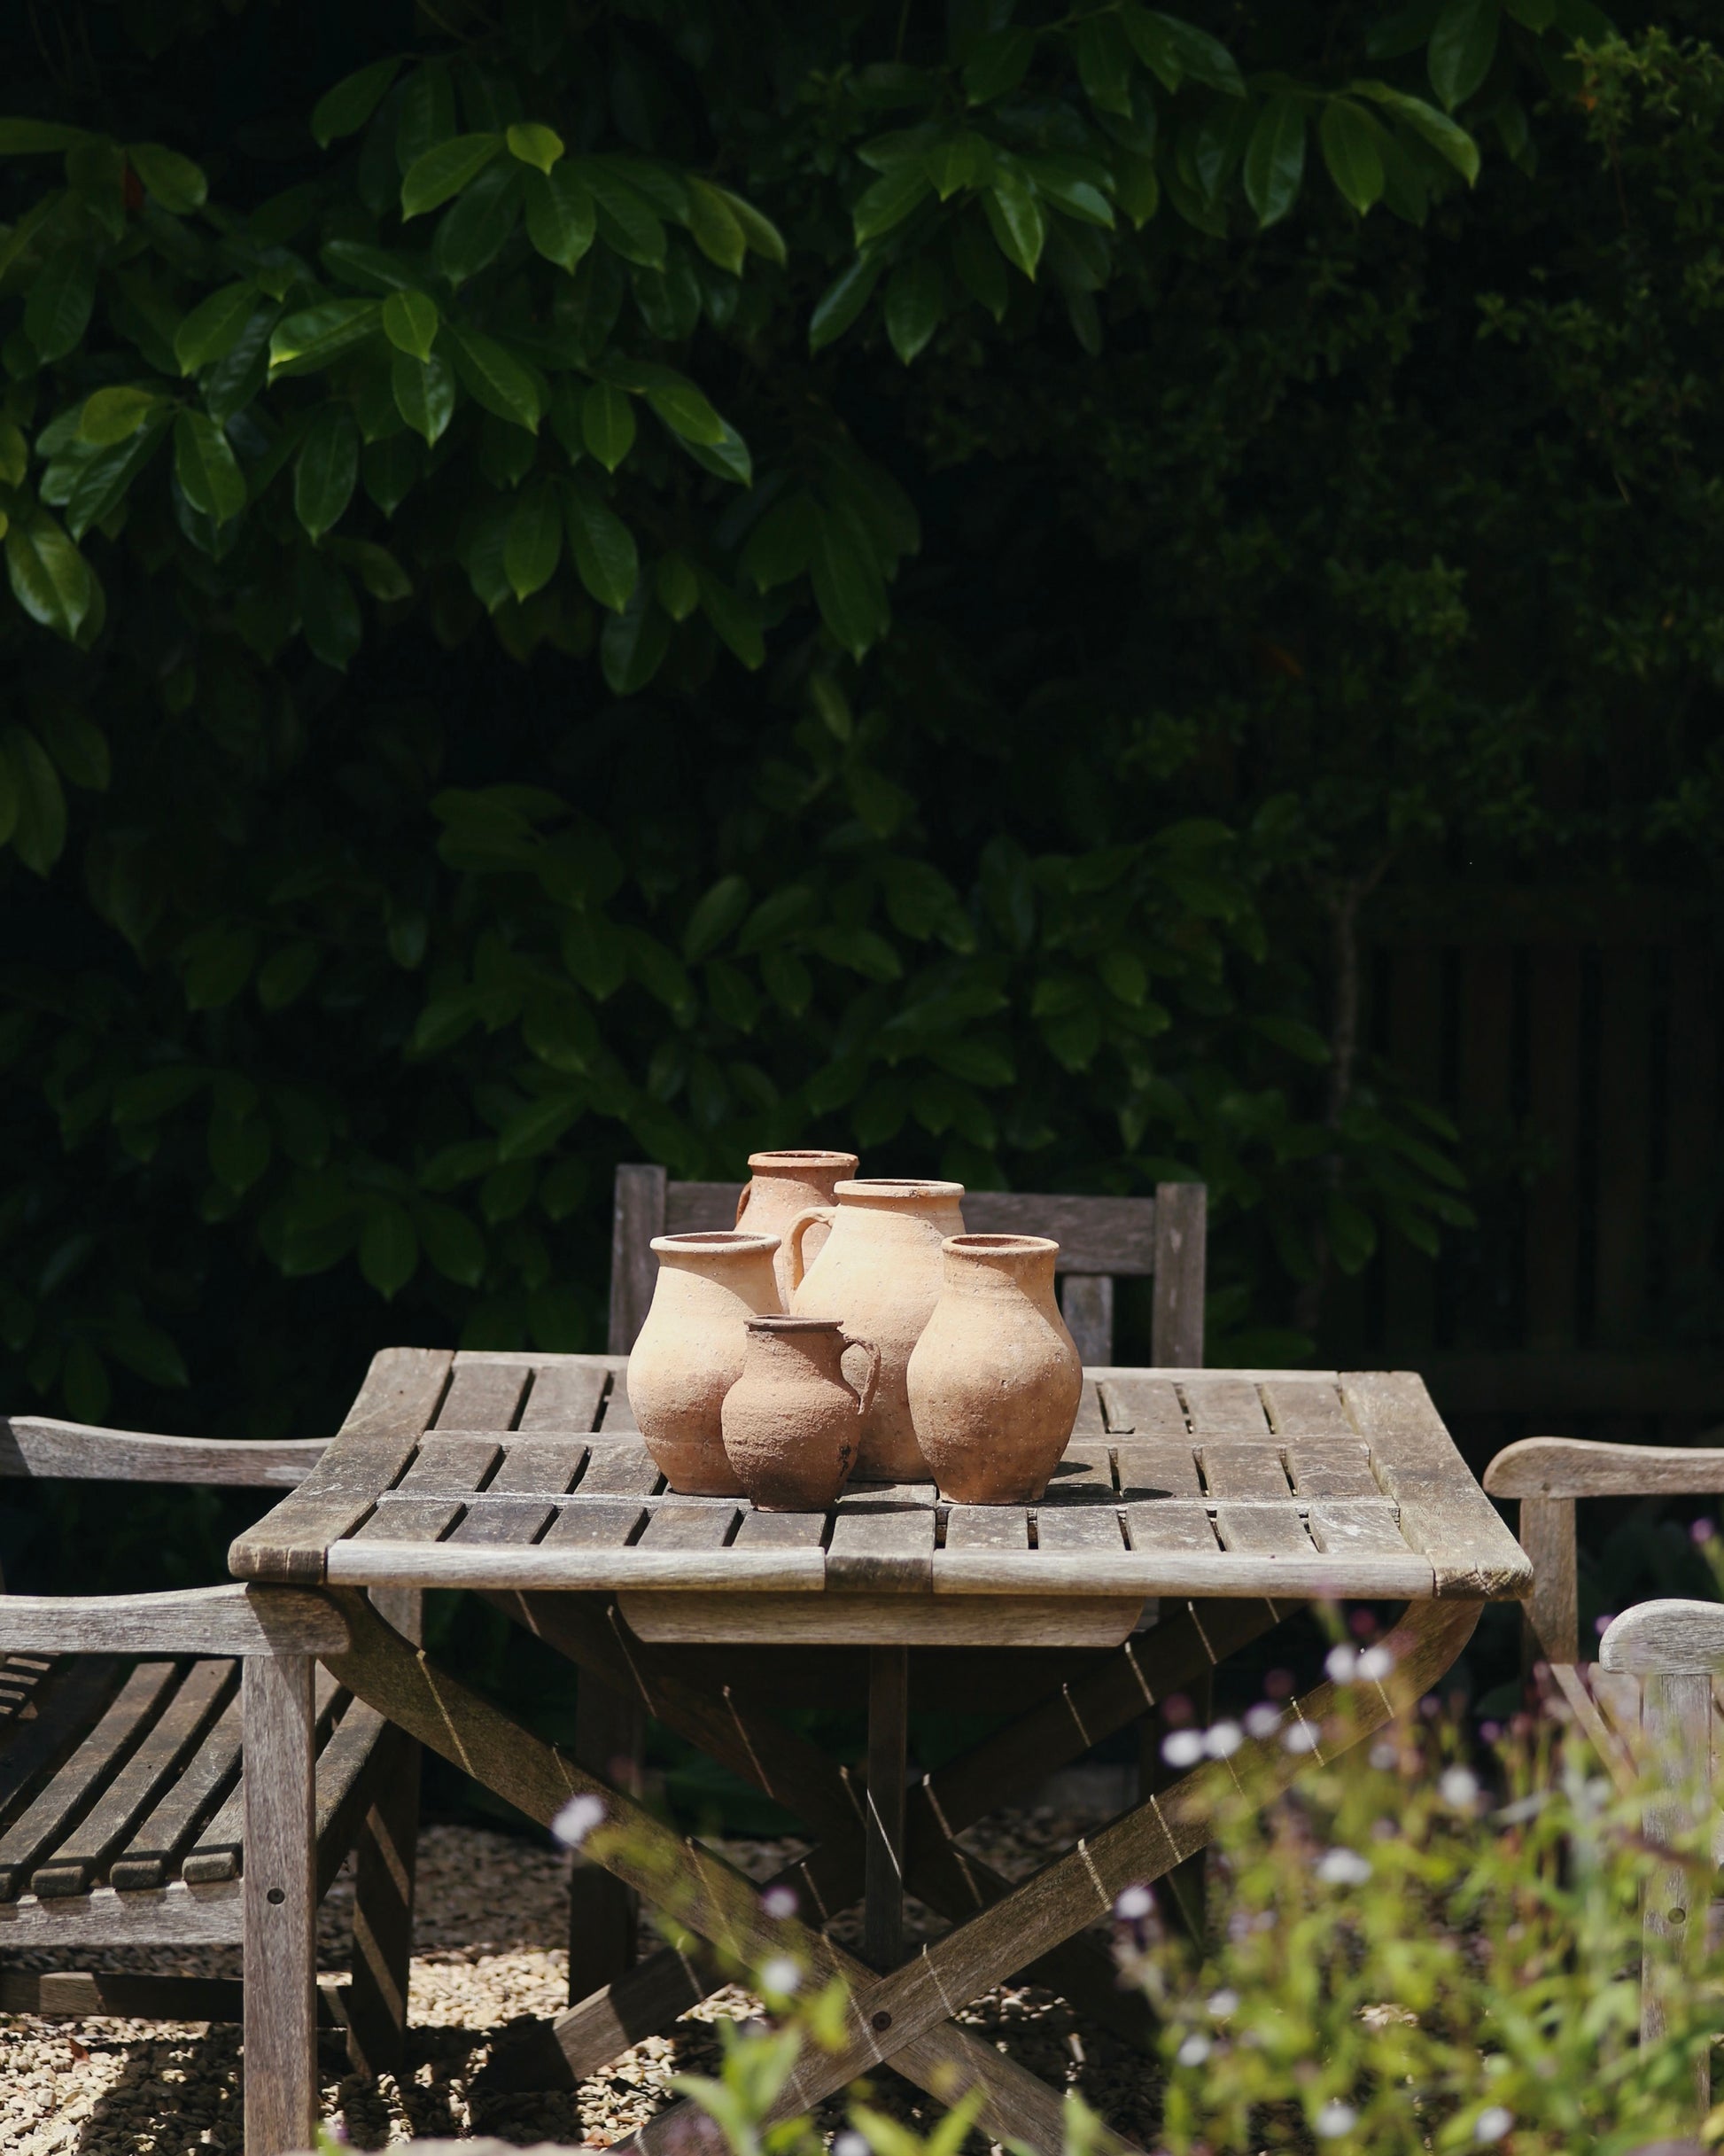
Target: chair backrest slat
{"points": [[1101, 1240]]}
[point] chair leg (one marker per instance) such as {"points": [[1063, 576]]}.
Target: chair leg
{"points": [[603, 1914], [280, 1905], [385, 1859], [1182, 1896], [889, 1701], [1676, 1722]]}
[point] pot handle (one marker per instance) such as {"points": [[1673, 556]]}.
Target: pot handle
{"points": [[793, 1236], [866, 1397], [742, 1202]]}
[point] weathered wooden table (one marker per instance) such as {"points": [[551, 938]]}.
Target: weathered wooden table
{"points": [[1212, 1503]]}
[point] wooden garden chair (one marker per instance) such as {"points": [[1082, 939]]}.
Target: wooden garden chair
{"points": [[1549, 1475], [1101, 1240], [145, 1743]]}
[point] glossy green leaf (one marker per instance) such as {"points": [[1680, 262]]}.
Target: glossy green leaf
{"points": [[345, 109], [1104, 62], [50, 579], [57, 306], [1352, 152], [310, 340], [676, 586], [495, 379], [626, 223], [1174, 51], [213, 327], [38, 137], [327, 469], [602, 546], [607, 423], [173, 181], [1275, 160], [453, 1243], [410, 323], [206, 467], [847, 588], [534, 544], [445, 169], [101, 484], [717, 914], [996, 63], [914, 302], [842, 301], [885, 206], [388, 1248], [534, 144], [474, 230], [14, 454], [424, 393], [1462, 46], [1445, 136], [1014, 217], [717, 231], [736, 618], [112, 415], [762, 235], [683, 408], [562, 216], [632, 643]]}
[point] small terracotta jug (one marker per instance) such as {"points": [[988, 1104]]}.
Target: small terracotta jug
{"points": [[782, 1185], [880, 1275], [691, 1349], [792, 1419], [995, 1380]]}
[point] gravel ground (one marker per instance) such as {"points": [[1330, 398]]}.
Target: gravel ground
{"points": [[489, 1944]]}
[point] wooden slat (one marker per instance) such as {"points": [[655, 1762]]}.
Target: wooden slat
{"points": [[1084, 1476], [637, 1216], [1338, 1467], [44, 1821], [1551, 1614], [1268, 1530], [803, 1624], [565, 1397], [232, 1620], [701, 1209], [1181, 1261], [1071, 1527], [1144, 1408], [516, 1520], [1443, 1512], [889, 1716], [70, 1867], [1225, 1407], [1168, 1525], [39, 1446], [1356, 1523], [1110, 1235], [449, 1466], [150, 1854], [595, 1522], [411, 1520], [1308, 1410], [987, 1527], [781, 1530], [1164, 1469], [888, 1549], [1243, 1471], [618, 1470], [1089, 1422], [398, 1398], [535, 1466], [1086, 1303], [217, 1851], [688, 1526], [920, 1496], [281, 1907], [484, 1395], [617, 1415], [70, 1699]]}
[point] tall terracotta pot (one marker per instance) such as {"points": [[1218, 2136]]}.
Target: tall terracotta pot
{"points": [[994, 1381], [880, 1275], [691, 1349], [791, 1420], [779, 1187]]}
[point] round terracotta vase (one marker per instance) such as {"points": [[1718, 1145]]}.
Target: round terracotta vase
{"points": [[995, 1380], [782, 1185], [691, 1349], [880, 1275], [792, 1419]]}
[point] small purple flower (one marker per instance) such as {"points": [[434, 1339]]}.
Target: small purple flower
{"points": [[1377, 1663], [1133, 1905], [1459, 1787], [1343, 1867], [577, 1819], [1262, 1720], [1182, 1748], [1223, 1739], [1342, 1664], [1300, 1736], [849, 2144], [779, 1902], [1704, 1531], [1493, 2122], [1196, 2048], [1335, 2119], [780, 1975]]}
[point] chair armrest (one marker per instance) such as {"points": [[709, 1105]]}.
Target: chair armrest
{"points": [[236, 1620], [1576, 1467], [1668, 1639], [36, 1445]]}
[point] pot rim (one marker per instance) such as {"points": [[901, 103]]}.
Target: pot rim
{"points": [[890, 1186], [801, 1156], [773, 1323], [983, 1246], [709, 1242]]}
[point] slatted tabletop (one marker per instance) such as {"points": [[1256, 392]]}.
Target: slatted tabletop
{"points": [[514, 1471]]}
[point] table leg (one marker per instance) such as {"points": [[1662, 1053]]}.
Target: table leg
{"points": [[889, 1707], [279, 2006], [603, 1913]]}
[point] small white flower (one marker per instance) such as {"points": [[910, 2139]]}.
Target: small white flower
{"points": [[780, 1975], [1134, 1903], [1384, 1755], [1221, 2003], [1224, 1740], [1335, 2119], [1182, 1748], [1300, 1736], [1342, 1663], [779, 1902], [1493, 2122], [1262, 1720], [849, 2144], [1343, 1868], [1459, 1786], [577, 1819], [1194, 2051], [1376, 1663]]}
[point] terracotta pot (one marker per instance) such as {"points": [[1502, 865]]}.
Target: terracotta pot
{"points": [[691, 1349], [996, 1379], [782, 1185], [880, 1275], [792, 1419]]}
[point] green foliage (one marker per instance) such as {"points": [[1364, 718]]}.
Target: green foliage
{"points": [[611, 600]]}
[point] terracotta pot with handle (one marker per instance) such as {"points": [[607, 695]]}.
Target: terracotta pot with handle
{"points": [[994, 1381], [779, 1187], [879, 1274], [691, 1349], [791, 1420]]}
